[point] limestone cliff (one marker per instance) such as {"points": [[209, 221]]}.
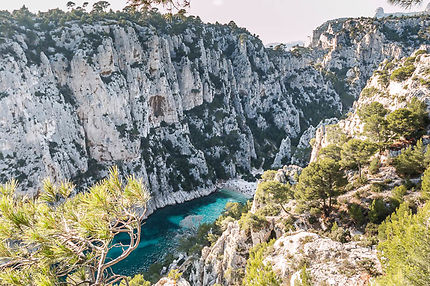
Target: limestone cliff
{"points": [[338, 248], [384, 88], [178, 102]]}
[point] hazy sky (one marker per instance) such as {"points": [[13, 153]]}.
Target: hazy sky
{"points": [[272, 20]]}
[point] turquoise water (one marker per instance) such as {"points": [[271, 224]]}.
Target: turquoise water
{"points": [[163, 229]]}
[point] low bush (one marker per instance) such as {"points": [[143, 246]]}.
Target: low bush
{"points": [[398, 193], [379, 210], [356, 212]]}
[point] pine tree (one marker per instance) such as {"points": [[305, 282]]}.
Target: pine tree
{"points": [[169, 5], [425, 185], [356, 153], [404, 123], [331, 151], [405, 3], [61, 237], [321, 181], [411, 162], [278, 192]]}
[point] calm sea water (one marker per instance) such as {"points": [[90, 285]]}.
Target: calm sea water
{"points": [[163, 229]]}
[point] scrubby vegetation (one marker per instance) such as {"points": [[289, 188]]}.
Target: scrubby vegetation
{"points": [[405, 247], [257, 272]]}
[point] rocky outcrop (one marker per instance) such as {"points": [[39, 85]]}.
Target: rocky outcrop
{"points": [[327, 261], [391, 93], [172, 282], [179, 103], [304, 149], [221, 262]]}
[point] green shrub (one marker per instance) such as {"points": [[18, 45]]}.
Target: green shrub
{"points": [[398, 193], [405, 247], [289, 224], [234, 210], [403, 73], [378, 187], [274, 192], [356, 154], [374, 166], [356, 212], [379, 210], [332, 151], [411, 162], [257, 273], [153, 273], [268, 210], [175, 275], [374, 108], [425, 185], [137, 280], [339, 233], [410, 122], [268, 175], [305, 277], [369, 92]]}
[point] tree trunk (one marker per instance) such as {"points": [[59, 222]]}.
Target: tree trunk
{"points": [[282, 206], [359, 171]]}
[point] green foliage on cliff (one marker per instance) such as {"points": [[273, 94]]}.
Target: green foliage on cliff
{"points": [[403, 123], [425, 185], [356, 212], [376, 125], [405, 3], [379, 210], [250, 221], [404, 247], [332, 151], [257, 272], [411, 162], [137, 280], [403, 73], [273, 191], [356, 153], [305, 277], [374, 108], [320, 182], [382, 126]]}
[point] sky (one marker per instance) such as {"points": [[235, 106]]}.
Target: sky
{"points": [[274, 21]]}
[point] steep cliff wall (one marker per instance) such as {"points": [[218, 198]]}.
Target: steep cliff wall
{"points": [[178, 102], [384, 87]]}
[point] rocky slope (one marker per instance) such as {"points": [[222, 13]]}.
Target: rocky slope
{"points": [[178, 102], [333, 255], [328, 261], [382, 87]]}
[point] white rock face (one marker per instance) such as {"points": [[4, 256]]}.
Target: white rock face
{"points": [[303, 151], [328, 261], [180, 109], [171, 282], [284, 153], [224, 256], [391, 94]]}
